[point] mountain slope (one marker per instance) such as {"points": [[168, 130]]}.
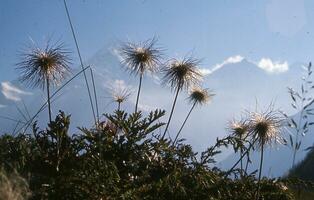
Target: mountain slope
{"points": [[304, 169]]}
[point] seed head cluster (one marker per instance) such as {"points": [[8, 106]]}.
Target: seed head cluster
{"points": [[264, 128]]}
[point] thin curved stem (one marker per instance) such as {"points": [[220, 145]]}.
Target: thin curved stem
{"points": [[171, 113], [295, 148], [81, 60], [247, 163], [138, 91], [299, 127], [11, 119], [175, 139], [260, 173], [119, 106], [28, 123], [48, 100], [245, 153], [95, 94], [20, 111], [17, 124], [241, 162]]}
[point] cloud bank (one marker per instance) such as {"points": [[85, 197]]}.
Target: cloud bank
{"points": [[273, 66], [230, 60], [11, 92], [267, 64]]}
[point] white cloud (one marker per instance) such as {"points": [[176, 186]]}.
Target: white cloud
{"points": [[11, 92], [266, 64], [230, 60], [146, 108], [119, 85], [273, 66], [205, 71], [117, 53]]}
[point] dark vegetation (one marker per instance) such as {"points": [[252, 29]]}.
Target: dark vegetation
{"points": [[124, 158], [304, 169]]}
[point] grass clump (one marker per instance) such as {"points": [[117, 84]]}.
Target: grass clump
{"points": [[13, 186]]}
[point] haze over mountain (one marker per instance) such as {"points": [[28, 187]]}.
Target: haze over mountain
{"points": [[238, 83]]}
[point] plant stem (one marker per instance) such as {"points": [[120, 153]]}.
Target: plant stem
{"points": [[304, 97], [29, 122], [175, 139], [241, 162], [245, 153], [171, 113], [247, 163], [48, 101], [260, 172], [58, 150], [95, 95], [138, 91], [119, 106], [97, 111], [81, 60], [295, 148]]}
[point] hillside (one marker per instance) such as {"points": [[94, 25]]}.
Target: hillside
{"points": [[304, 169]]}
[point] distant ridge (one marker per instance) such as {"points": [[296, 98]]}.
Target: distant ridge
{"points": [[304, 170]]}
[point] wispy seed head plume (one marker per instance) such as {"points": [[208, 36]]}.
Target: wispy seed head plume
{"points": [[239, 128], [121, 95], [182, 74], [200, 96], [141, 57], [41, 64], [266, 127]]}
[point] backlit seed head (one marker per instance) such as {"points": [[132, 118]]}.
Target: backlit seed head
{"points": [[39, 65]]}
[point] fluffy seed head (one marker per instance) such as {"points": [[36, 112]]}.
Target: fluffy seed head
{"points": [[39, 65], [200, 96], [141, 57], [121, 95], [266, 127], [239, 128], [182, 74]]}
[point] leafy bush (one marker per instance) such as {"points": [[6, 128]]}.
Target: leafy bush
{"points": [[123, 158]]}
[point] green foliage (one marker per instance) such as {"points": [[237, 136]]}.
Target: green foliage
{"points": [[124, 157], [301, 102]]}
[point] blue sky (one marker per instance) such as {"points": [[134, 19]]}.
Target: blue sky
{"points": [[282, 30]]}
